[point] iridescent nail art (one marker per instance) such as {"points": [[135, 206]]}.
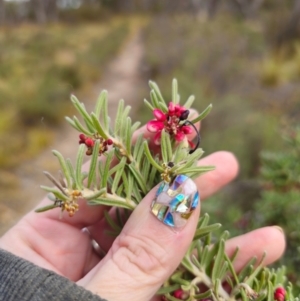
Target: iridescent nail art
{"points": [[175, 202]]}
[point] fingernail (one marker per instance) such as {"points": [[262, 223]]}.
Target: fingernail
{"points": [[279, 229], [174, 203]]}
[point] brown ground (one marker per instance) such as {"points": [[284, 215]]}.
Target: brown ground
{"points": [[122, 80]]}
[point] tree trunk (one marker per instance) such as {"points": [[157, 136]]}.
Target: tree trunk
{"points": [[52, 11], [39, 9]]}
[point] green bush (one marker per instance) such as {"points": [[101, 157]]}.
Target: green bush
{"points": [[220, 62], [40, 67]]}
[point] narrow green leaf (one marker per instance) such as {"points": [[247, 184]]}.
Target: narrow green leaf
{"points": [[118, 175], [168, 289], [206, 230], [187, 264], [98, 126], [198, 169], [148, 104], [139, 179], [164, 152], [189, 102], [64, 167], [191, 159], [71, 171], [106, 168], [93, 164], [135, 126], [126, 112], [146, 168], [155, 87], [125, 182], [136, 192], [203, 257], [154, 99], [244, 295], [81, 109], [72, 123], [104, 113], [130, 186], [120, 190], [245, 271], [224, 270], [174, 91], [81, 128], [99, 103], [111, 222], [218, 261], [97, 194], [195, 261], [116, 167], [150, 158], [154, 172], [232, 269], [203, 114], [45, 208], [128, 137], [138, 146], [56, 192], [203, 221], [168, 147], [204, 295], [79, 162], [270, 293], [111, 202], [118, 120]]}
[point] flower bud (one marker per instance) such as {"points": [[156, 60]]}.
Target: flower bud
{"points": [[82, 137], [279, 294], [89, 142], [178, 294]]}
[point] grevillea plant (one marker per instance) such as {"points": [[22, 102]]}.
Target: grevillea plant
{"points": [[130, 170]]}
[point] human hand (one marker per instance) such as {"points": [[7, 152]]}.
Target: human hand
{"points": [[143, 256]]}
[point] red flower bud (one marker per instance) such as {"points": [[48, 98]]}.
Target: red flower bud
{"points": [[82, 137], [178, 294], [109, 141], [279, 294], [89, 142]]}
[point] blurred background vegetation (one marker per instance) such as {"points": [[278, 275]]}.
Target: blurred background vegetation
{"points": [[243, 56]]}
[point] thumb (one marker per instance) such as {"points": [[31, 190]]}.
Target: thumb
{"points": [[151, 244]]}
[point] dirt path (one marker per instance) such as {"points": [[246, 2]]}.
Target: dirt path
{"points": [[121, 79]]}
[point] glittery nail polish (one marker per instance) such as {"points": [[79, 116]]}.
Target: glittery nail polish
{"points": [[175, 202]]}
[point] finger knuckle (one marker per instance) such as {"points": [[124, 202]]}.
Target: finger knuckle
{"points": [[139, 257]]}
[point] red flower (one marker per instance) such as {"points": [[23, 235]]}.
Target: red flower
{"points": [[171, 122]]}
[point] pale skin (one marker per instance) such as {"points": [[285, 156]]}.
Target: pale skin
{"points": [[143, 256]]}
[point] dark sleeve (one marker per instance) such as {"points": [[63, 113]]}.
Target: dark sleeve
{"points": [[20, 280]]}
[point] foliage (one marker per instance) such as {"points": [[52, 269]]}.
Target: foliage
{"points": [[206, 271], [277, 204], [39, 68], [223, 68], [279, 201]]}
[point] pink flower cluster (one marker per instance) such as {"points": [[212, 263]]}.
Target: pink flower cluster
{"points": [[171, 122]]}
